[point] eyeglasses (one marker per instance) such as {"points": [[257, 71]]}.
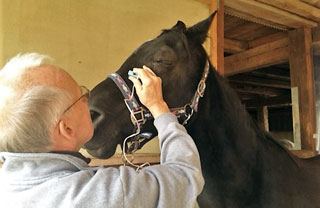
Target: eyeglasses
{"points": [[85, 92]]}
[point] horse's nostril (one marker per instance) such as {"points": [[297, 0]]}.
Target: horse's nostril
{"points": [[94, 115]]}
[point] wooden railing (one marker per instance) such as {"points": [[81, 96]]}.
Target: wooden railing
{"points": [[117, 160]]}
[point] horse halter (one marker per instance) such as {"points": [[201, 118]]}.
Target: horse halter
{"points": [[139, 114]]}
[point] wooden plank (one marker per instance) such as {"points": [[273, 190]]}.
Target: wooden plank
{"points": [[277, 71], [263, 121], [303, 153], [301, 74], [269, 58], [239, 29], [234, 46], [245, 92], [295, 6], [245, 79], [315, 3], [283, 100], [258, 90], [270, 13], [251, 18], [217, 36], [270, 75], [262, 56], [260, 49], [116, 160], [267, 39]]}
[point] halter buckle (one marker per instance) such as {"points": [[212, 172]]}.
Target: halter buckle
{"points": [[137, 116], [134, 146]]}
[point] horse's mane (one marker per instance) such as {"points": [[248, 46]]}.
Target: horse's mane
{"points": [[237, 116]]}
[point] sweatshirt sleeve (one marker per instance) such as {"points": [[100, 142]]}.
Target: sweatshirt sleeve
{"points": [[177, 181]]}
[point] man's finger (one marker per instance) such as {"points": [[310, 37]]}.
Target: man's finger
{"points": [[147, 68], [136, 83], [143, 74]]}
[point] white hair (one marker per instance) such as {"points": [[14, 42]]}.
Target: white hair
{"points": [[21, 62], [27, 116]]}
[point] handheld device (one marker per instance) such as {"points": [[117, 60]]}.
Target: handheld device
{"points": [[133, 74]]}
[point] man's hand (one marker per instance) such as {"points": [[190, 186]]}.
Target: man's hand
{"points": [[149, 91]]}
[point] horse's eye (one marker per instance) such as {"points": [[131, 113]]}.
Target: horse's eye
{"points": [[94, 115], [162, 62], [165, 56]]}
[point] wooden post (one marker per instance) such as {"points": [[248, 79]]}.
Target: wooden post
{"points": [[263, 120], [217, 36], [295, 118], [316, 69], [301, 76]]}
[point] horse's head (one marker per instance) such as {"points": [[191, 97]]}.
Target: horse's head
{"points": [[176, 55]]}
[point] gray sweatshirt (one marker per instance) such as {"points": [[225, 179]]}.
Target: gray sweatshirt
{"points": [[59, 180]]}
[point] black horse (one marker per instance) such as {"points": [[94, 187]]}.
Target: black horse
{"points": [[242, 165]]}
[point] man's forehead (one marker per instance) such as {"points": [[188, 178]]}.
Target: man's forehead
{"points": [[47, 75], [41, 75]]}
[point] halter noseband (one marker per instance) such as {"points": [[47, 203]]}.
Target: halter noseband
{"points": [[139, 114]]}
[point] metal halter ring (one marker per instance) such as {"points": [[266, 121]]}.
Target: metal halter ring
{"points": [[187, 113], [201, 88]]}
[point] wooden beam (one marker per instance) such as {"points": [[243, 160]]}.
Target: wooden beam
{"points": [[315, 3], [270, 75], [257, 90], [277, 71], [270, 13], [245, 96], [217, 36], [262, 49], [295, 6], [251, 18], [301, 74], [117, 160], [304, 153], [269, 58], [283, 100], [250, 80], [235, 46], [262, 56], [267, 39]]}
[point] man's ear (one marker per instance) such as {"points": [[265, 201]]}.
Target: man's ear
{"points": [[65, 130]]}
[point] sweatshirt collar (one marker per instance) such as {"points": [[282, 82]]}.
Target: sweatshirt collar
{"points": [[74, 154]]}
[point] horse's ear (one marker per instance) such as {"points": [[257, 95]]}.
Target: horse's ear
{"points": [[180, 26], [199, 31]]}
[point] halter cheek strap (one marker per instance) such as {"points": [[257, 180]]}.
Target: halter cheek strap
{"points": [[138, 113], [188, 110]]}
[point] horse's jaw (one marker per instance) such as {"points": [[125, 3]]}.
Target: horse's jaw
{"points": [[102, 153]]}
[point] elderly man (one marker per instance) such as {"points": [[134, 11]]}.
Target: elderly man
{"points": [[44, 121]]}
